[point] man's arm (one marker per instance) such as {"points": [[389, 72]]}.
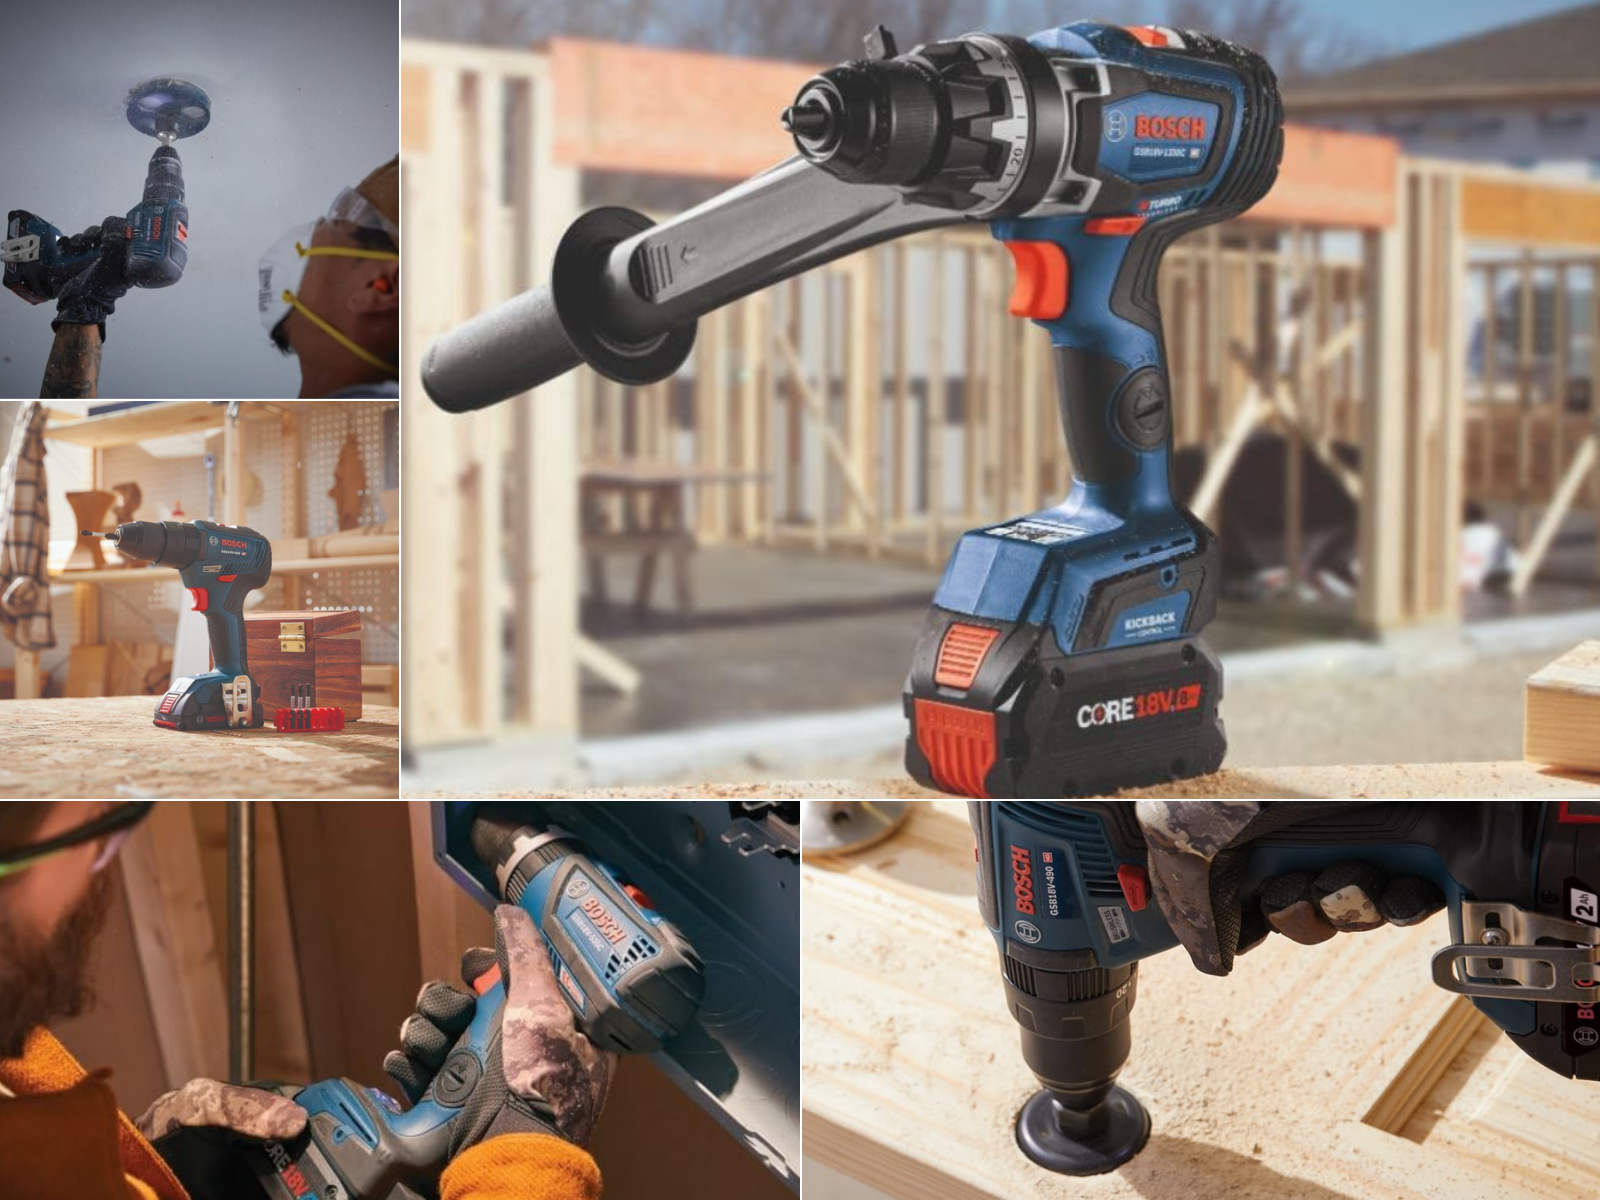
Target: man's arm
{"points": [[73, 372]]}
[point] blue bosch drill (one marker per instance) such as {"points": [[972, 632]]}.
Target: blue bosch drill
{"points": [[630, 977], [220, 565], [1063, 887], [1062, 655], [38, 260]]}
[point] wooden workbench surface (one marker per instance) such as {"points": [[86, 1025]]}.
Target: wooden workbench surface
{"points": [[1335, 1072], [1416, 781], [108, 748]]}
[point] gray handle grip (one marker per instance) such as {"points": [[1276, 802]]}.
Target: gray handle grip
{"points": [[511, 348]]}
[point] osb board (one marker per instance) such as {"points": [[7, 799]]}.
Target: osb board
{"points": [[95, 748], [1418, 781], [1256, 1084]]}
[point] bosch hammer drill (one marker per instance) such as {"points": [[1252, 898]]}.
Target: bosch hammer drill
{"points": [[39, 260], [1062, 654], [220, 565], [1063, 888], [630, 977]]}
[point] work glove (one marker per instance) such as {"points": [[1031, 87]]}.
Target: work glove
{"points": [[209, 1104], [542, 1075], [89, 297], [1198, 851]]}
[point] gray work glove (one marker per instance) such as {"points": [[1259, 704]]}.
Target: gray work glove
{"points": [[542, 1074], [1198, 851], [89, 297], [210, 1104]]}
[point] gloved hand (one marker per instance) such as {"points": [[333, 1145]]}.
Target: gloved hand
{"points": [[542, 1075], [89, 297], [209, 1104], [1198, 851]]}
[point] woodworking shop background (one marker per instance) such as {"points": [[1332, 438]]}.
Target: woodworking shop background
{"points": [[1383, 387], [308, 472], [343, 941]]}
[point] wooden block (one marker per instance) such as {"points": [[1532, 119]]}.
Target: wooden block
{"points": [[1561, 715], [381, 681], [87, 670]]}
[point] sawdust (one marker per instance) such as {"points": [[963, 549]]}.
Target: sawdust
{"points": [[92, 748], [1403, 781]]}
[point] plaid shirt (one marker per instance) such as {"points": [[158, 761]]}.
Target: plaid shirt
{"points": [[25, 530]]}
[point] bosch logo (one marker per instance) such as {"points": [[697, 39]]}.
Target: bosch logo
{"points": [[1162, 702], [1585, 1035], [578, 888], [1171, 129], [1116, 125], [213, 539], [610, 928], [230, 542], [1022, 880], [1028, 932]]}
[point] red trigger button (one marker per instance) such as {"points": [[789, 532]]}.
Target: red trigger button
{"points": [[200, 596], [1041, 288], [1135, 886]]}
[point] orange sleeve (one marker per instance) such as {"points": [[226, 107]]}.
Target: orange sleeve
{"points": [[522, 1166]]}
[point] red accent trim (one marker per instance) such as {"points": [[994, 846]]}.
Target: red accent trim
{"points": [[637, 896], [200, 598], [165, 724], [961, 654], [487, 980], [226, 578], [1135, 886], [1148, 34], [183, 232], [1565, 815], [1114, 226], [1041, 288], [958, 744]]}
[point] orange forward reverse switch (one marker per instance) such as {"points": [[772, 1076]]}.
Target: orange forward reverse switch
{"points": [[1114, 226], [1041, 288], [1148, 34]]}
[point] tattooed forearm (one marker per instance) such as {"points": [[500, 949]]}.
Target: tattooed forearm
{"points": [[73, 372]]}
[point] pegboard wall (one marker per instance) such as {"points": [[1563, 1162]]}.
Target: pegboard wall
{"points": [[144, 614]]}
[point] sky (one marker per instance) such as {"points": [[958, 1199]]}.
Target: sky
{"points": [[1412, 24], [304, 103]]}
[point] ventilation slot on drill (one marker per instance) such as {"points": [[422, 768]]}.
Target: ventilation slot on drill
{"points": [[1020, 976], [1087, 839], [638, 950]]}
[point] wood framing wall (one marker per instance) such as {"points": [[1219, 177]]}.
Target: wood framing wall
{"points": [[492, 499]]}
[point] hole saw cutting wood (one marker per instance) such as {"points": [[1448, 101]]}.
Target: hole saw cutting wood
{"points": [[1282, 1080]]}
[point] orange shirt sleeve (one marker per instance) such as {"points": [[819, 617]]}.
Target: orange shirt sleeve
{"points": [[522, 1166]]}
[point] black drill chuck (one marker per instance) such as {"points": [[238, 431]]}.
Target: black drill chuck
{"points": [[165, 543], [163, 183]]}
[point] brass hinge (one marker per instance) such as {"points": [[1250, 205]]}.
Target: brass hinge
{"points": [[292, 637]]}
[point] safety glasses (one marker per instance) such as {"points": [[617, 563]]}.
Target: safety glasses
{"points": [[114, 826], [350, 205]]}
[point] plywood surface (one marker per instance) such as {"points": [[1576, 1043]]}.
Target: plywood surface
{"points": [[96, 748], [1257, 1084], [1561, 716], [1405, 781]]}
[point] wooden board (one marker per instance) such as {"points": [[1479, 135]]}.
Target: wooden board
{"points": [[88, 667], [1261, 1086], [1561, 717], [1422, 781], [1517, 211], [109, 747]]}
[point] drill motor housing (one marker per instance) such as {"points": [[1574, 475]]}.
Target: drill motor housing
{"points": [[40, 260]]}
